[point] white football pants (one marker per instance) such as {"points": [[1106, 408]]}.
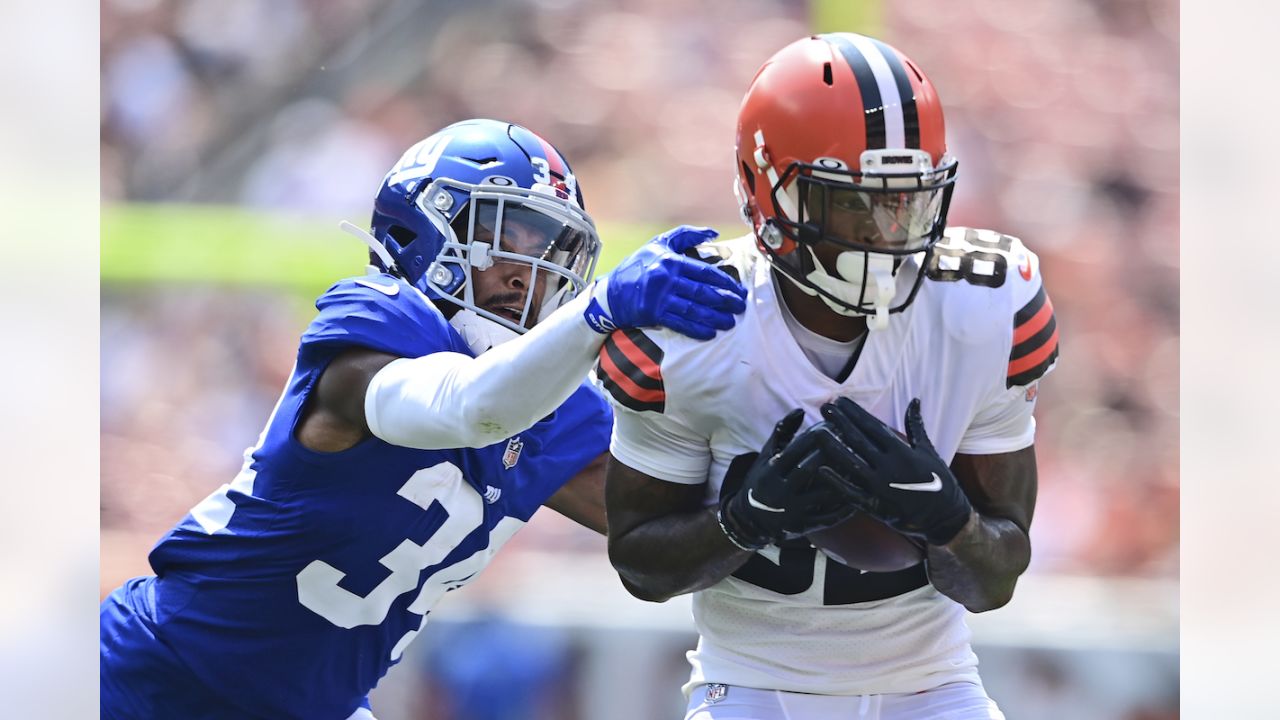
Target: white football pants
{"points": [[953, 701]]}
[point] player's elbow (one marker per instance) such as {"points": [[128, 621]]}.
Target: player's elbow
{"points": [[641, 592], [997, 589], [993, 598], [638, 583], [987, 604]]}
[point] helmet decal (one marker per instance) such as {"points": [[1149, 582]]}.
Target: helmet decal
{"points": [[885, 88], [551, 170], [420, 160]]}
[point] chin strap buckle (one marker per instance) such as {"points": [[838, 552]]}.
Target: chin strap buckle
{"points": [[880, 320]]}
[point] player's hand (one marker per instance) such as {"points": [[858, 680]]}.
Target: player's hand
{"points": [[787, 489], [903, 483], [658, 285]]}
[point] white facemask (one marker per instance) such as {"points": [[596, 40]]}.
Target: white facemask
{"points": [[847, 285]]}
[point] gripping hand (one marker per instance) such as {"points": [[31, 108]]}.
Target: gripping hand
{"points": [[787, 489], [658, 285], [903, 483]]}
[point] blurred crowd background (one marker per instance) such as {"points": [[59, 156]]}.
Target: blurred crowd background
{"points": [[1064, 116]]}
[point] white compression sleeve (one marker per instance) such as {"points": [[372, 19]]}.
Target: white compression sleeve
{"points": [[450, 400]]}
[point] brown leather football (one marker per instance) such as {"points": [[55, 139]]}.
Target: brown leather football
{"points": [[865, 543]]}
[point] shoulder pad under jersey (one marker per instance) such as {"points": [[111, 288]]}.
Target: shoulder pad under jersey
{"points": [[630, 370], [1015, 296], [1034, 349], [383, 313], [631, 360]]}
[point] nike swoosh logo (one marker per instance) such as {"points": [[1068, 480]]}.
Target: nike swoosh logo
{"points": [[388, 290], [933, 485], [1025, 269], [751, 500]]}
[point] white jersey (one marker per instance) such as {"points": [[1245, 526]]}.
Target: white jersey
{"points": [[972, 346]]}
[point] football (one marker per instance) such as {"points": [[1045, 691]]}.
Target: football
{"points": [[865, 543]]}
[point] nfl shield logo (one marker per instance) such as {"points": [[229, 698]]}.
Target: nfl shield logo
{"points": [[512, 454], [716, 692]]}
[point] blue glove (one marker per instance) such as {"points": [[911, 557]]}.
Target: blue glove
{"points": [[658, 285]]}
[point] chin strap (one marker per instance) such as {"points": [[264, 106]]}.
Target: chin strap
{"points": [[554, 300], [481, 334], [871, 299], [378, 249]]}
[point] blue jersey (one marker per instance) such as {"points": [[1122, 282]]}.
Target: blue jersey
{"points": [[290, 591]]}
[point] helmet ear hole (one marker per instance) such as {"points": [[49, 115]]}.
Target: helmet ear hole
{"points": [[402, 235]]}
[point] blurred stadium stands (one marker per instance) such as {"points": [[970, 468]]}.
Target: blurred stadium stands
{"points": [[1064, 118]]}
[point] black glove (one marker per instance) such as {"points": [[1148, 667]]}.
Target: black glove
{"points": [[788, 489], [903, 483]]}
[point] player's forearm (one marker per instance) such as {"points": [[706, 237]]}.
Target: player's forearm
{"points": [[674, 554], [449, 400], [980, 567]]}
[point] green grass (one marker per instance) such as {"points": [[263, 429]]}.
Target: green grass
{"points": [[174, 244]]}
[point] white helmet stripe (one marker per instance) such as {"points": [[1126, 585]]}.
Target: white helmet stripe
{"points": [[785, 204]]}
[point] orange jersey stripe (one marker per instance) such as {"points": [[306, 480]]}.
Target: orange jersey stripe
{"points": [[1027, 362], [637, 356], [1035, 323], [625, 383]]}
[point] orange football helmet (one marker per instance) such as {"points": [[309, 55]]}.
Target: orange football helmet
{"points": [[841, 140]]}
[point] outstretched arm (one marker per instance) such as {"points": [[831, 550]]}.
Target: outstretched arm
{"points": [[449, 400]]}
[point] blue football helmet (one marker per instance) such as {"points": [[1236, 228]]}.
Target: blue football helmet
{"points": [[441, 213]]}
